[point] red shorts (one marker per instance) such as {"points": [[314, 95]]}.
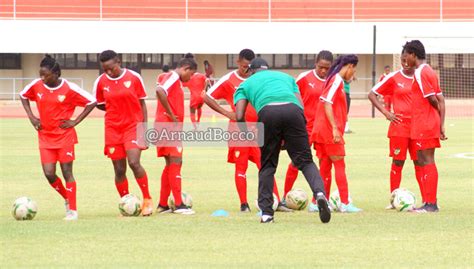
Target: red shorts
{"points": [[63, 155], [169, 151], [399, 147], [421, 144], [196, 102], [130, 141], [243, 154], [326, 150]]}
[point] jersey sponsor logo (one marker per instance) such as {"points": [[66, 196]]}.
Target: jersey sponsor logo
{"points": [[311, 84], [40, 95], [61, 98], [107, 89], [69, 153], [127, 83], [401, 85]]}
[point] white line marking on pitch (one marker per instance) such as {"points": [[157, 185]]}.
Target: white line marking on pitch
{"points": [[466, 155]]}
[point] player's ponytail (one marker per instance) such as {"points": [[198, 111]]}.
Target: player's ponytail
{"points": [[340, 62], [50, 63]]}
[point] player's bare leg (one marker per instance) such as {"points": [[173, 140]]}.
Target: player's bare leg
{"points": [[121, 182], [133, 157], [71, 208]]}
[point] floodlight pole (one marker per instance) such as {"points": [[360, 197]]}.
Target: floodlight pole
{"points": [[374, 65]]}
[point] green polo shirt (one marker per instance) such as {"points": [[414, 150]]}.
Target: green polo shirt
{"points": [[347, 87], [266, 87]]}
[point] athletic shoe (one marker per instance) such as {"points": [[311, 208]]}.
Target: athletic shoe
{"points": [[71, 215], [163, 209], [147, 207], [282, 208], [266, 219], [389, 207], [312, 207], [349, 208], [245, 207], [183, 210], [427, 208], [324, 212]]}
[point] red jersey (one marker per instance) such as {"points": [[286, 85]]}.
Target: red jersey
{"points": [[426, 122], [196, 86], [54, 105], [311, 87], [334, 94], [398, 85], [173, 87], [121, 97], [225, 88]]}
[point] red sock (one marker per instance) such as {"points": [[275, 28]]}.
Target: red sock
{"points": [[241, 182], [325, 166], [143, 184], [395, 177], [193, 117], [199, 112], [291, 176], [174, 177], [71, 195], [341, 180], [59, 187], [122, 187], [165, 187], [275, 189], [431, 182], [419, 178]]}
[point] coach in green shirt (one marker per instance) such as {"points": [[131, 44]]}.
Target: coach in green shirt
{"points": [[277, 100]]}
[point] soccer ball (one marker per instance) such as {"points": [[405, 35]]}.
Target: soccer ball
{"points": [[130, 206], [185, 197], [335, 200], [403, 199], [297, 199], [275, 203], [24, 209]]}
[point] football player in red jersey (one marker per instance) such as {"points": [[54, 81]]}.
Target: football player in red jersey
{"points": [[398, 85], [197, 87], [330, 120], [428, 112], [311, 84], [120, 92], [240, 156], [56, 100], [171, 109]]}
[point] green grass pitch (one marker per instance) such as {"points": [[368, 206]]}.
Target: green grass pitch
{"points": [[100, 239]]}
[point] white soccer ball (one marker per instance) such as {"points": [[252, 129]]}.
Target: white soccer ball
{"points": [[297, 199], [185, 198], [275, 203], [130, 205], [335, 200], [403, 199], [24, 209]]}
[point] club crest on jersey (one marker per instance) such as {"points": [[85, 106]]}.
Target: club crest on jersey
{"points": [[61, 98], [111, 150], [180, 149], [237, 154], [396, 151], [127, 83]]}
